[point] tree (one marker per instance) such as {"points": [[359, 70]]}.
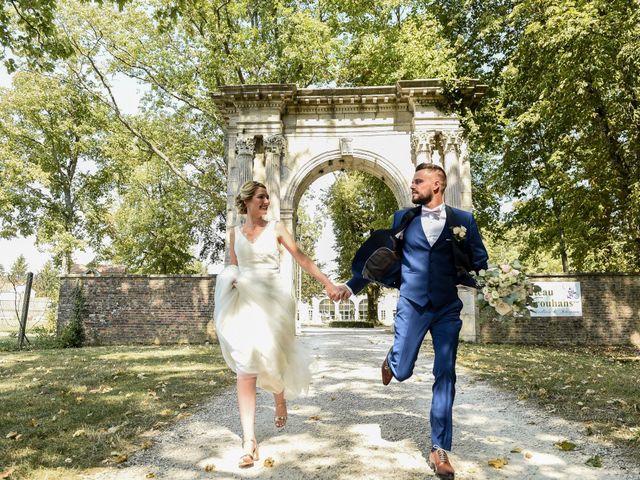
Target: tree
{"points": [[55, 179], [29, 32], [17, 276], [156, 225], [397, 41], [359, 203], [558, 136], [575, 144], [308, 230], [46, 283], [189, 51]]}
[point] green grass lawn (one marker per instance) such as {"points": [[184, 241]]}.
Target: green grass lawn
{"points": [[68, 410], [597, 386]]}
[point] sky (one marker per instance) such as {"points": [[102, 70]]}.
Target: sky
{"points": [[128, 93]]}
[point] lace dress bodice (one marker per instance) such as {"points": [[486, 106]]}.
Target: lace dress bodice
{"points": [[262, 253]]}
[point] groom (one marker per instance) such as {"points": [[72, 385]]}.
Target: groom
{"points": [[433, 245]]}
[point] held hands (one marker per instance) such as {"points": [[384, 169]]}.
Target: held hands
{"points": [[338, 292]]}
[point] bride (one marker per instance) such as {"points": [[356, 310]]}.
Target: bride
{"points": [[254, 315]]}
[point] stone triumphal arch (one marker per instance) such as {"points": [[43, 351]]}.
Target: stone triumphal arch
{"points": [[287, 137]]}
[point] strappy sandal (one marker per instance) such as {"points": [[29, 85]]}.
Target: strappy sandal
{"points": [[281, 420], [250, 455]]}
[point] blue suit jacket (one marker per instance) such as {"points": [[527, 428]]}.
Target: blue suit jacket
{"points": [[431, 272]]}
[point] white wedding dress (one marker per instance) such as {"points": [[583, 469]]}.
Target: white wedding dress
{"points": [[254, 318]]}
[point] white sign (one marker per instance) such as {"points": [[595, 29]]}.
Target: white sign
{"points": [[557, 299]]}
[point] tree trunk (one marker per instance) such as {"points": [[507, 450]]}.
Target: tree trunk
{"points": [[557, 212], [373, 294]]}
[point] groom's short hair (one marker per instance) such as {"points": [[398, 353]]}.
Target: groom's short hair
{"points": [[432, 167]]}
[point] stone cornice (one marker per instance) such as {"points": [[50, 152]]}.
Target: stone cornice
{"points": [[279, 96]]}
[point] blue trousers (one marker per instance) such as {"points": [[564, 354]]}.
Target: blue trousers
{"points": [[411, 325]]}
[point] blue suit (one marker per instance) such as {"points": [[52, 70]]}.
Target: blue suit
{"points": [[429, 302]]}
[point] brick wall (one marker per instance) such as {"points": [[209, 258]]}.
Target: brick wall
{"points": [[144, 309], [149, 309], [610, 315]]}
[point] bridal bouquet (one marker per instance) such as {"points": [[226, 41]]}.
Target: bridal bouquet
{"points": [[505, 289]]}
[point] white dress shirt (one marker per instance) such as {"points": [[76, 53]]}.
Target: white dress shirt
{"points": [[433, 222]]}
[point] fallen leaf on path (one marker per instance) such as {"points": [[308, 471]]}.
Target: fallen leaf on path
{"points": [[269, 462], [528, 455], [498, 462], [594, 461], [314, 417], [147, 444], [516, 450], [565, 445], [150, 475], [118, 457], [209, 467]]}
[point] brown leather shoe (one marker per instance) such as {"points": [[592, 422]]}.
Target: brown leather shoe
{"points": [[386, 372], [439, 463]]}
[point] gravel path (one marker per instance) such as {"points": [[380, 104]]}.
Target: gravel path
{"points": [[351, 427]]}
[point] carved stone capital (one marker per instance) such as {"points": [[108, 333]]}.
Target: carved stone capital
{"points": [[245, 146], [274, 144], [452, 141], [424, 141]]}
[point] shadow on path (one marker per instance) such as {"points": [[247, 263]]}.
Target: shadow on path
{"points": [[352, 427]]}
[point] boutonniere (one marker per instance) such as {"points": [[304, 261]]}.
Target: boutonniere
{"points": [[459, 233]]}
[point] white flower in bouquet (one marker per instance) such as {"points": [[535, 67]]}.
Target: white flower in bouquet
{"points": [[505, 289]]}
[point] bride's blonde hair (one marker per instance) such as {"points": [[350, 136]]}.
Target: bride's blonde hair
{"points": [[247, 191]]}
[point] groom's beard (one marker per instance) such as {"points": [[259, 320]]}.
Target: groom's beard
{"points": [[423, 200]]}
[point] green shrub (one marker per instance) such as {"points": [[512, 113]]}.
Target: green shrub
{"points": [[352, 324], [41, 338], [73, 334]]}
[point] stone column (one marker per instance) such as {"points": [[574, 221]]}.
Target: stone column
{"points": [[287, 267], [244, 159], [274, 146], [466, 202], [451, 147], [422, 144], [437, 154]]}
